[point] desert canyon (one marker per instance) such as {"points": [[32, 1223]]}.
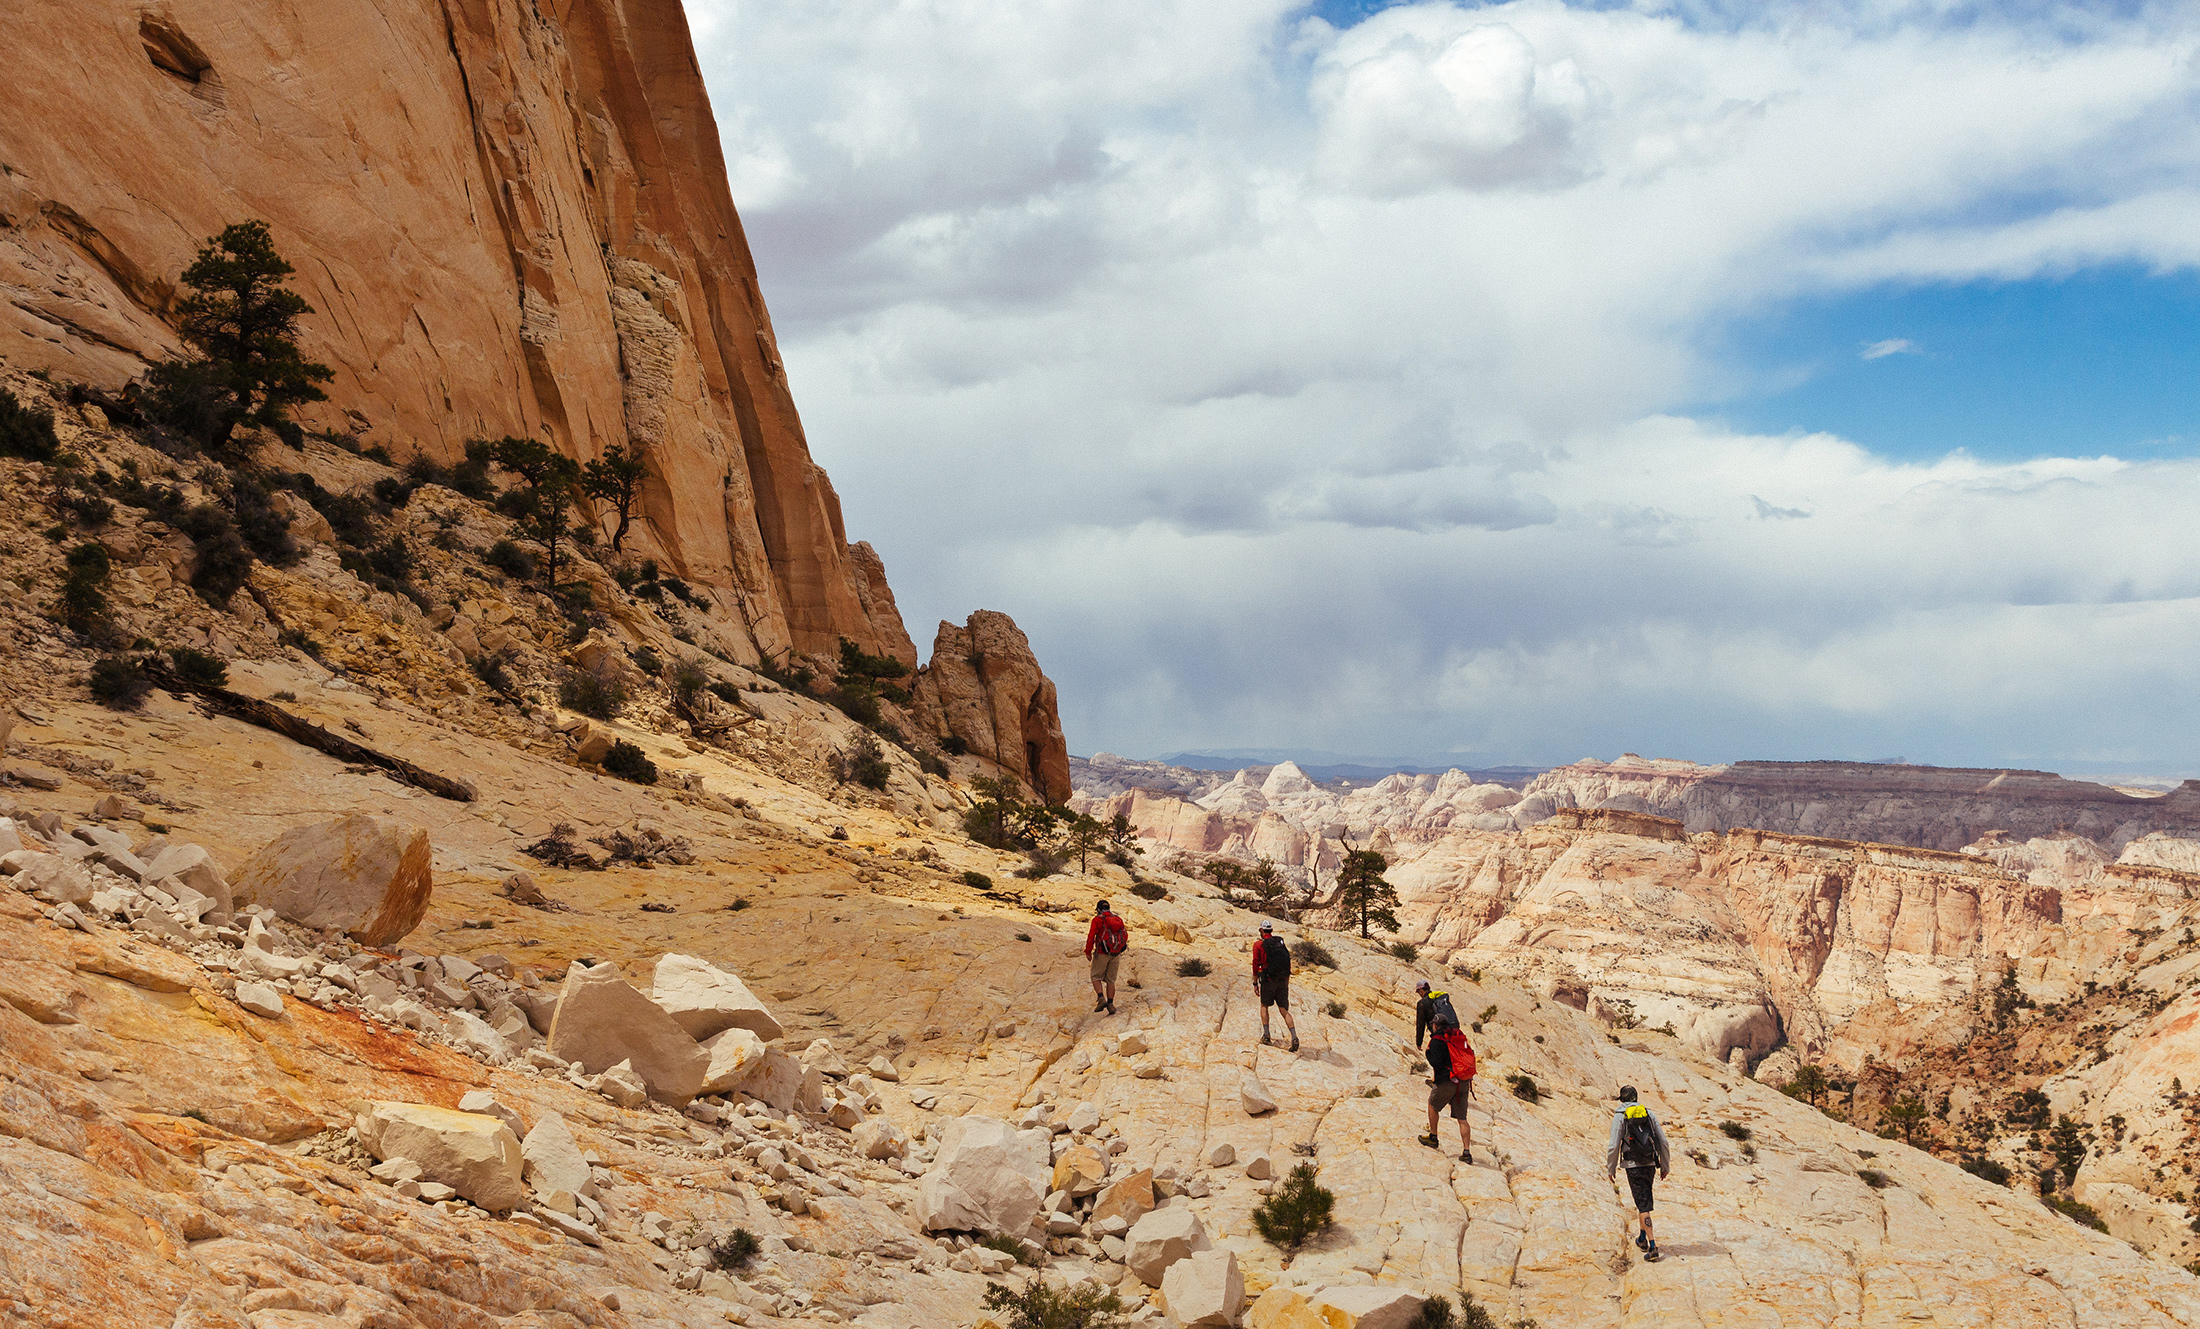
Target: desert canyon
{"points": [[353, 973]]}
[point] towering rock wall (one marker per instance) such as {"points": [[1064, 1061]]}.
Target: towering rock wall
{"points": [[984, 688], [511, 217]]}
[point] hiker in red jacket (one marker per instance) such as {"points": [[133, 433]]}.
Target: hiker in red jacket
{"points": [[1105, 942], [1272, 978]]}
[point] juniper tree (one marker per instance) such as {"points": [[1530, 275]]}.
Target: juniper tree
{"points": [[1362, 891], [616, 478], [541, 507]]}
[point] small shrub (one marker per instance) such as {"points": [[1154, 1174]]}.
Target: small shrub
{"points": [[1007, 1245], [977, 881], [561, 849], [647, 661], [1308, 951], [864, 763], [493, 670], [1334, 1010], [296, 639], [1734, 1130], [740, 902], [118, 684], [2084, 1215], [1042, 863], [1874, 1178], [1298, 1210], [955, 745], [1146, 890], [1488, 1014], [222, 561], [1023, 936], [1523, 1088], [1405, 950], [1372, 1091], [1191, 966], [26, 431], [725, 692], [285, 695], [1037, 1306], [207, 671], [1986, 1169], [1436, 1313], [733, 1251], [511, 560], [599, 695], [629, 762], [83, 591]]}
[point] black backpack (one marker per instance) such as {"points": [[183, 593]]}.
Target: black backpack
{"points": [[1441, 1015], [1638, 1140], [1275, 958]]}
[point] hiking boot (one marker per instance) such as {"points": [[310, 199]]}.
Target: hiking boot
{"points": [[1652, 1255], [1642, 1243], [1432, 1142], [1111, 1008], [1466, 1155], [1266, 1041], [1099, 1003], [1294, 1042]]}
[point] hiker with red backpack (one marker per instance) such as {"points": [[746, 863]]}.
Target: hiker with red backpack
{"points": [[1638, 1140], [1451, 1070], [1105, 942]]}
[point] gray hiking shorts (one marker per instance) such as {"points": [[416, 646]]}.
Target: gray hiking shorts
{"points": [[1452, 1094]]}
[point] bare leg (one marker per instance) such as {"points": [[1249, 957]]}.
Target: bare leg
{"points": [[1466, 1135], [1649, 1234], [1290, 1023], [1432, 1122]]}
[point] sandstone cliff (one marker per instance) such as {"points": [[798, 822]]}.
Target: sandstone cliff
{"points": [[511, 218], [984, 694]]}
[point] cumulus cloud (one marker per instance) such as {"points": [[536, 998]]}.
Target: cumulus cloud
{"points": [[1295, 385]]}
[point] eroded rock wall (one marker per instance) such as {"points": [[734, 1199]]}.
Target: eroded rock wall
{"points": [[510, 218], [984, 687]]}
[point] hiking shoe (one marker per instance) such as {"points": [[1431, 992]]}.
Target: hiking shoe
{"points": [[1294, 1042], [1466, 1155], [1266, 1041], [1099, 1003], [1432, 1142], [1642, 1243], [1652, 1254], [1111, 1008]]}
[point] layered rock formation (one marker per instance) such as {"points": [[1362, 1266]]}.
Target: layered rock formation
{"points": [[510, 218], [984, 691]]}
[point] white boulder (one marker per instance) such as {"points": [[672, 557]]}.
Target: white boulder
{"points": [[735, 1055], [1255, 1096], [987, 1177], [552, 1159], [705, 1000], [475, 1155], [876, 1137], [1205, 1288], [369, 878], [602, 1021], [1162, 1238], [1370, 1307]]}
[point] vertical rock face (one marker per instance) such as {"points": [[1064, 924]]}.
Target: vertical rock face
{"points": [[509, 217], [984, 687]]}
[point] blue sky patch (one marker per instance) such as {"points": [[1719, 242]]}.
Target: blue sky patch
{"points": [[2103, 362]]}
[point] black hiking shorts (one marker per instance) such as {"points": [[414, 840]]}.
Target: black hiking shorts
{"points": [[1638, 1182], [1276, 992]]}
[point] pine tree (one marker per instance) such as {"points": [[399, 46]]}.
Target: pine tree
{"points": [[616, 478], [542, 507], [1361, 890], [1298, 1210], [243, 323]]}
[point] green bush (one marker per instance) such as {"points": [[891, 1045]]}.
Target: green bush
{"points": [[511, 560], [200, 668], [1007, 1245], [1734, 1130], [1986, 1169], [1523, 1088], [628, 762], [1308, 951], [725, 692], [1037, 1306], [26, 431], [977, 881], [1874, 1178], [1405, 950], [118, 684], [221, 561], [599, 696], [647, 661], [1146, 890], [865, 763], [1300, 1209], [2084, 1215], [1334, 1010], [1191, 966], [83, 591]]}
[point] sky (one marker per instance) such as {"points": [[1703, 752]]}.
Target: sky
{"points": [[1514, 382]]}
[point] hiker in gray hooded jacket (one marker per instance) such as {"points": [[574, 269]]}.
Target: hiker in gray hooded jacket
{"points": [[1638, 1140]]}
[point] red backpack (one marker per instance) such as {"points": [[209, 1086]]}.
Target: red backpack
{"points": [[1462, 1056], [1114, 938]]}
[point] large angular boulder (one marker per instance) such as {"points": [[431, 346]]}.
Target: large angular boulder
{"points": [[1205, 1288], [987, 1177], [1129, 1199], [50, 877], [777, 1080], [1369, 1307], [1282, 1308], [602, 1020], [736, 1055], [360, 875], [1080, 1171], [876, 1137], [552, 1160], [475, 1155], [706, 1000], [1162, 1238], [195, 868]]}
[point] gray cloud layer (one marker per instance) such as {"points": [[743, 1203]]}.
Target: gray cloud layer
{"points": [[1295, 386]]}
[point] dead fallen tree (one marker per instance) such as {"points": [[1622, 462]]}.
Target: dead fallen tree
{"points": [[221, 701]]}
